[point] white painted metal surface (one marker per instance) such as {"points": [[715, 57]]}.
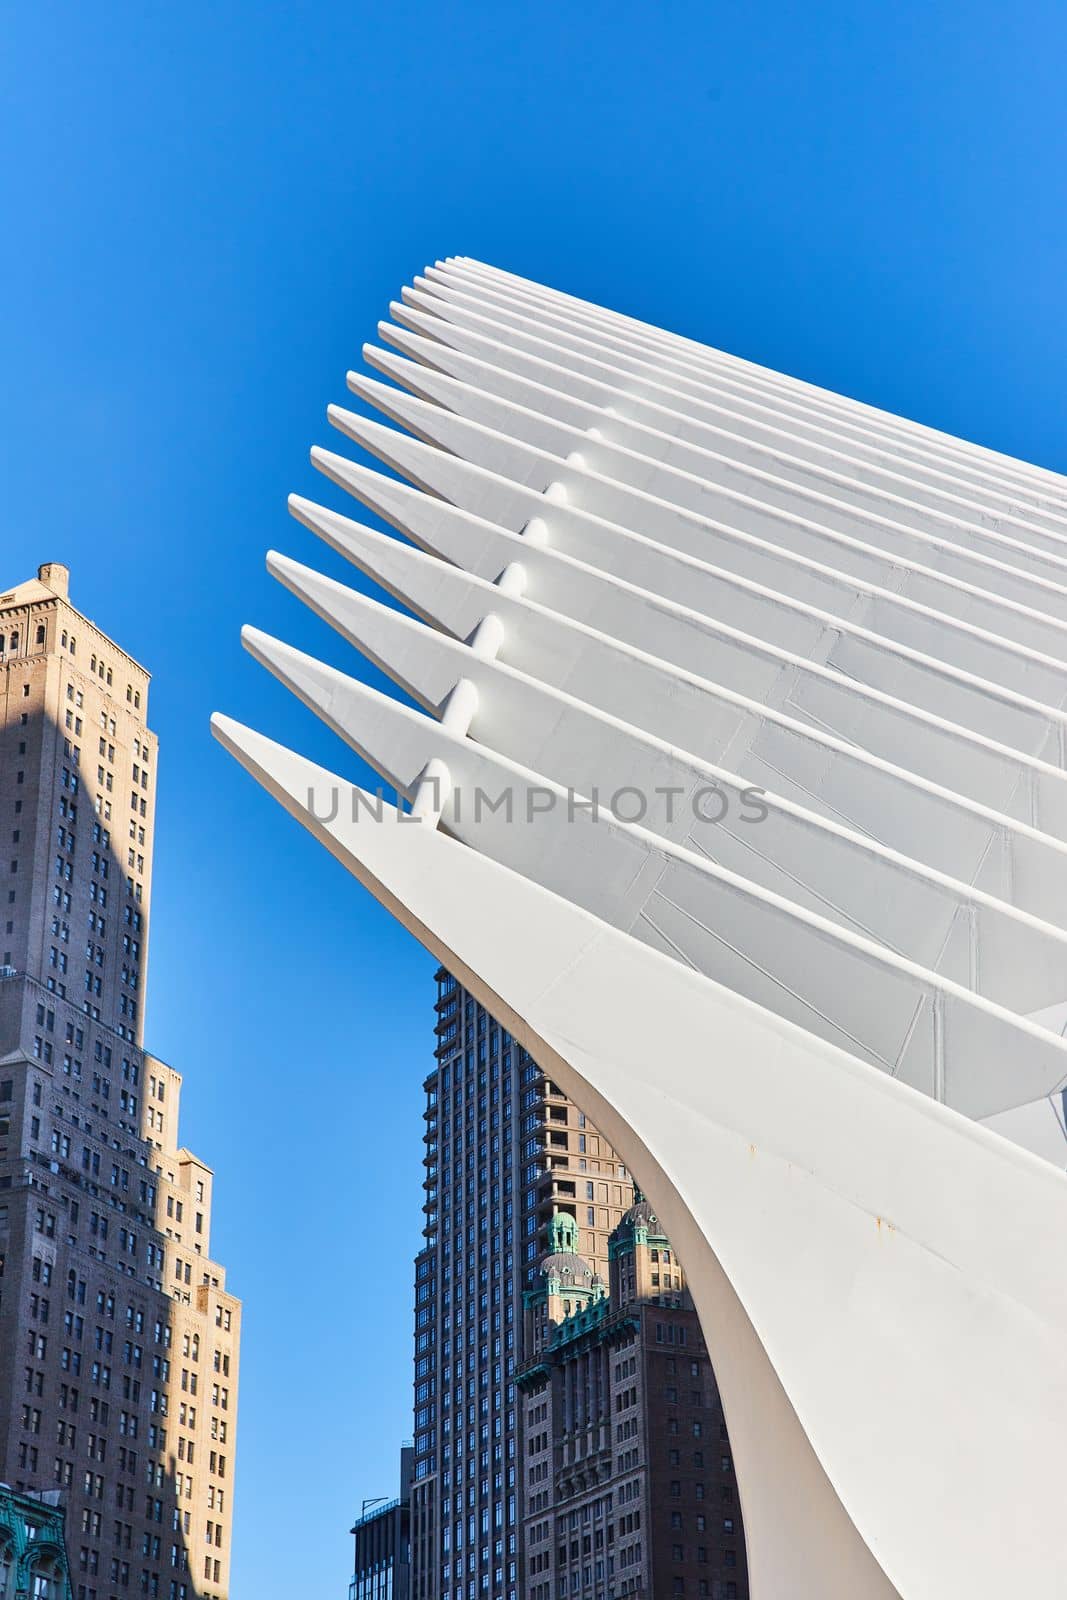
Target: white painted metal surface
{"points": [[739, 792]]}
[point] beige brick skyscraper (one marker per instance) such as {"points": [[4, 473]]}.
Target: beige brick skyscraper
{"points": [[118, 1339]]}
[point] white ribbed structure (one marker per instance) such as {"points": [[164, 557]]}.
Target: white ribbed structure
{"points": [[810, 660]]}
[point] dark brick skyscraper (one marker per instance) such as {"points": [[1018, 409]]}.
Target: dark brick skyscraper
{"points": [[505, 1151]]}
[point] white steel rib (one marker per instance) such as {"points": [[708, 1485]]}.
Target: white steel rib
{"points": [[1028, 653], [731, 428], [947, 543], [668, 441], [944, 924], [649, 382], [797, 418], [846, 412], [768, 748], [737, 788], [834, 699]]}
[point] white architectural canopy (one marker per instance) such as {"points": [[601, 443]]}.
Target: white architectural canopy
{"points": [[738, 792]]}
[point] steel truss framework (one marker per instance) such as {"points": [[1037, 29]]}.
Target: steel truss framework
{"points": [[738, 793]]}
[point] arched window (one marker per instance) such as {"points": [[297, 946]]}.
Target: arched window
{"points": [[14, 642], [7, 1570], [47, 1578], [40, 633]]}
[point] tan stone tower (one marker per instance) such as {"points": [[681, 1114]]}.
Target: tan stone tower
{"points": [[118, 1340]]}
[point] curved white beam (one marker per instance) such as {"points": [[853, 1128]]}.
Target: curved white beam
{"points": [[477, 468], [725, 424], [1017, 654], [663, 479], [956, 547], [928, 822], [610, 331], [878, 1275], [940, 748], [645, 379], [919, 1027], [937, 922], [807, 1194], [702, 449], [907, 438]]}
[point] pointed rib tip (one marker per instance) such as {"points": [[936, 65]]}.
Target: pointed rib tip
{"points": [[413, 304], [375, 357], [299, 580], [401, 369], [224, 729], [252, 639], [359, 384], [361, 430], [382, 396], [278, 563], [424, 318], [329, 462], [393, 333], [338, 467], [272, 653], [305, 511], [345, 421]]}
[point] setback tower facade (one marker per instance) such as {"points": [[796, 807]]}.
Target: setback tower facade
{"points": [[119, 1340], [505, 1152]]}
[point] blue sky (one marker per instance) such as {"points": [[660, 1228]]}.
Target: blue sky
{"points": [[208, 209]]}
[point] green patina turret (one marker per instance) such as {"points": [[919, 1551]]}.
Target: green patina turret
{"points": [[563, 1236], [638, 1226], [563, 1270], [642, 1263], [566, 1283]]}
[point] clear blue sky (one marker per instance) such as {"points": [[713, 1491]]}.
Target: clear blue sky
{"points": [[207, 208]]}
